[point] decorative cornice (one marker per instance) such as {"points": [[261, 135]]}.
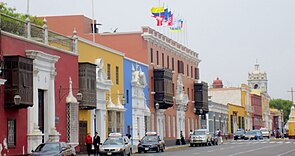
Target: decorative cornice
{"points": [[173, 46]]}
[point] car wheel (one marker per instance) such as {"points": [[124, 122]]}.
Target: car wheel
{"points": [[191, 145], [158, 149], [139, 151], [144, 151], [162, 150]]}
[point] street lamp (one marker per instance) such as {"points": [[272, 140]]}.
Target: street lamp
{"points": [[17, 99], [79, 96], [157, 106]]}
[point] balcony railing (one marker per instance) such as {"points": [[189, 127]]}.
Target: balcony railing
{"points": [[37, 33]]}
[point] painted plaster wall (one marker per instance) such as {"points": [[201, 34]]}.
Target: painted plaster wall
{"points": [[66, 61], [127, 88], [88, 53]]}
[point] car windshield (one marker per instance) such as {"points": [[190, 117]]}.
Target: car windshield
{"points": [[251, 132], [114, 141], [199, 133], [239, 132], [48, 147], [264, 130], [150, 139]]}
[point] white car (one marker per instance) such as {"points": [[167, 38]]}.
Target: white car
{"points": [[200, 137], [116, 144], [265, 132]]}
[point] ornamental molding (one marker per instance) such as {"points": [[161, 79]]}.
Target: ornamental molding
{"points": [[176, 49]]}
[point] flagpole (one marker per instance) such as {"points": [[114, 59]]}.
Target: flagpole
{"points": [[28, 7], [93, 26]]}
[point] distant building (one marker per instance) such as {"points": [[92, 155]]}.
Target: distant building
{"points": [[257, 80]]}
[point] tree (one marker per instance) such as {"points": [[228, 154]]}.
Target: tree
{"points": [[284, 105], [11, 12]]}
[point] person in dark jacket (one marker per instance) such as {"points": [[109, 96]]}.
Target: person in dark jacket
{"points": [[96, 143], [182, 138]]}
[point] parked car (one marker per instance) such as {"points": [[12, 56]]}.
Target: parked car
{"points": [[54, 148], [239, 134], [253, 135], [116, 144], [265, 132], [200, 137], [151, 142]]}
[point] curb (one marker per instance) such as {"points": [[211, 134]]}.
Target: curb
{"points": [[176, 147]]}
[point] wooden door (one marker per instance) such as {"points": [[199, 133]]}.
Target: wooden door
{"points": [[83, 134]]}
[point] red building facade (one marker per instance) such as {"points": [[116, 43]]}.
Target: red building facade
{"points": [[257, 114], [41, 109]]}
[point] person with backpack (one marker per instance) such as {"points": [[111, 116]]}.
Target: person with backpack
{"points": [[88, 143]]}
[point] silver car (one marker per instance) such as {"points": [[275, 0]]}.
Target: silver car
{"points": [[200, 137], [116, 144]]}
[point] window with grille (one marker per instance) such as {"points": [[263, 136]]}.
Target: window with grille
{"points": [[117, 75], [172, 63], [163, 60], [167, 61], [108, 71], [157, 57], [11, 132], [152, 56]]}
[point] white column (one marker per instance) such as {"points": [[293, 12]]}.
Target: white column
{"points": [[34, 134], [54, 135], [101, 124], [178, 125]]}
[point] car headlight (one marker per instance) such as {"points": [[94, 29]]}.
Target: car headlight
{"points": [[119, 149], [101, 149]]}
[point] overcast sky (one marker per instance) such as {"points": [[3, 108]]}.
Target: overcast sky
{"points": [[229, 35]]}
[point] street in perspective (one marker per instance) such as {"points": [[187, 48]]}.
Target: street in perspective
{"points": [[147, 78]]}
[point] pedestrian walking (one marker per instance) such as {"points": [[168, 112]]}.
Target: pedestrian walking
{"points": [[182, 138], [191, 133], [88, 143], [219, 134], [96, 143]]}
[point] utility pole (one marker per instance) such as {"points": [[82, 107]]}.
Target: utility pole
{"points": [[292, 93]]}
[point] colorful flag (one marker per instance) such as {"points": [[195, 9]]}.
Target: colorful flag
{"points": [[177, 26], [157, 10]]}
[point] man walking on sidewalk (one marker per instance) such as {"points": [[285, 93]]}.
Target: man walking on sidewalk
{"points": [[96, 143], [219, 136]]}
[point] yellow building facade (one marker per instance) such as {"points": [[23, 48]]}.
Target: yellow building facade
{"points": [[113, 67], [236, 117], [246, 103]]}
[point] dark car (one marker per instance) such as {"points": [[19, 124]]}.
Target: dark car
{"points": [[54, 149], [151, 142], [239, 135]]}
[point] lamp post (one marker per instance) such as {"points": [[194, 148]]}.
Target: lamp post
{"points": [[17, 98]]}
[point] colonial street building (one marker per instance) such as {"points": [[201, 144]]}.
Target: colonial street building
{"points": [[166, 60], [217, 117], [104, 66], [175, 95], [34, 109], [239, 96], [257, 80], [137, 115]]}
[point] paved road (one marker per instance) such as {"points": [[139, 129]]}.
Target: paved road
{"points": [[235, 148]]}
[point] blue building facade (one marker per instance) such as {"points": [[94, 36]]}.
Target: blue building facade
{"points": [[137, 112]]}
